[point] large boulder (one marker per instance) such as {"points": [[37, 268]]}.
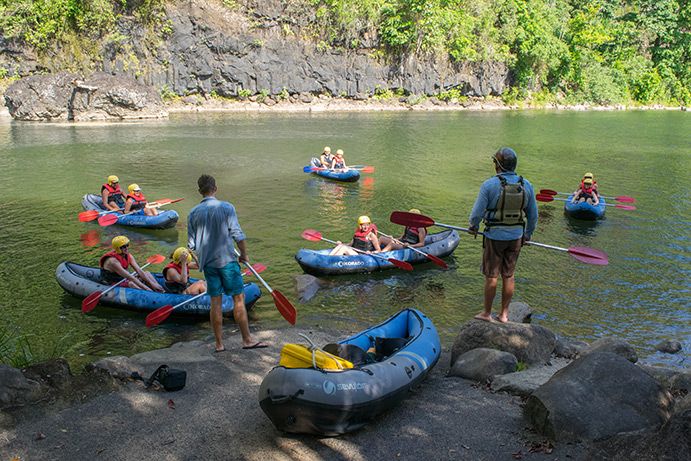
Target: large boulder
{"points": [[615, 346], [523, 383], [482, 363], [531, 344], [13, 386], [568, 348], [520, 312], [65, 96], [598, 396], [673, 379]]}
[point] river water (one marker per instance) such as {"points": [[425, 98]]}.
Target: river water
{"points": [[431, 161]]}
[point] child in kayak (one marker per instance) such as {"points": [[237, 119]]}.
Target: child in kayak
{"points": [[176, 274], [115, 264], [364, 239], [412, 237], [136, 201], [111, 195], [338, 162], [587, 191]]}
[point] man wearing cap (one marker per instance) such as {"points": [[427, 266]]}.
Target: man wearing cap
{"points": [[506, 204], [212, 226], [111, 195]]}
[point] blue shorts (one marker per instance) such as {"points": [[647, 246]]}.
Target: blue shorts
{"points": [[222, 280]]}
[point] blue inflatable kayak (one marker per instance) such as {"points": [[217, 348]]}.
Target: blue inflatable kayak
{"points": [[584, 210], [319, 262], [164, 220], [332, 402], [349, 175], [80, 281]]}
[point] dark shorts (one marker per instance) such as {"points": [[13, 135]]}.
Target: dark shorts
{"points": [[499, 257], [222, 280]]}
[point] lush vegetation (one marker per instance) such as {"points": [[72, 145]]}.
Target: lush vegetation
{"points": [[603, 51]]}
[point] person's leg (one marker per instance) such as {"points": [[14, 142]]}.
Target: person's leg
{"points": [[234, 285], [507, 286], [240, 316], [490, 292], [490, 269], [511, 250], [151, 281], [216, 318], [196, 288]]}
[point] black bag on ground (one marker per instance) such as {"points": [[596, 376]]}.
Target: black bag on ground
{"points": [[172, 379]]}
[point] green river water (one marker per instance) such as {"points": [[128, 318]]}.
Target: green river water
{"points": [[431, 161]]}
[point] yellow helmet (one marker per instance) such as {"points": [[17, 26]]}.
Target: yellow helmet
{"points": [[414, 210], [327, 149], [133, 187], [587, 181], [119, 242], [112, 179], [588, 175], [178, 253], [339, 152], [363, 220]]}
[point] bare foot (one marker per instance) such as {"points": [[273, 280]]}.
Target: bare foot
{"points": [[503, 319], [485, 317]]}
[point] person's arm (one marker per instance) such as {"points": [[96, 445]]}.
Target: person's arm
{"points": [[192, 235], [178, 277], [105, 195], [113, 265], [530, 213], [596, 198], [375, 241], [333, 164], [422, 233], [237, 233], [128, 205], [575, 195], [478, 211]]}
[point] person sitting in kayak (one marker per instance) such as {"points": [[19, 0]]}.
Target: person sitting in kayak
{"points": [[364, 239], [176, 274], [338, 162], [111, 195], [136, 201], [586, 192], [114, 265], [412, 237], [326, 159]]}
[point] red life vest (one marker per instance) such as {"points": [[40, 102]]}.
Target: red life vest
{"points": [[114, 194], [124, 261], [593, 187], [172, 265], [411, 235], [138, 201], [172, 286], [360, 240]]}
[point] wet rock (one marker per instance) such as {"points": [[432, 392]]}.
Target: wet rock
{"points": [[520, 312], [66, 96], [523, 383], [54, 373], [598, 396], [531, 344], [568, 348], [307, 286], [669, 347], [120, 367], [269, 101], [614, 345], [13, 386], [306, 98], [482, 363]]}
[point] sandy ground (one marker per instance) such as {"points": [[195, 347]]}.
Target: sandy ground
{"points": [[217, 416]]}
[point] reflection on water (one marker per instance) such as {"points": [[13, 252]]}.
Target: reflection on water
{"points": [[434, 162]]}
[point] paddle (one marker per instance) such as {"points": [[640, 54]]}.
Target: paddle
{"points": [[583, 254], [159, 315], [314, 236], [91, 301], [618, 198], [438, 261], [90, 215], [364, 169], [109, 219], [549, 198]]}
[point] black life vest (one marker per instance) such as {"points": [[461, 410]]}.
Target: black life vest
{"points": [[511, 204], [114, 195], [110, 277], [339, 164], [411, 235], [326, 159], [360, 241], [138, 202]]}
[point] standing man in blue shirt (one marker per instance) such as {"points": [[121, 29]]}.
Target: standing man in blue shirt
{"points": [[210, 227], [506, 204]]}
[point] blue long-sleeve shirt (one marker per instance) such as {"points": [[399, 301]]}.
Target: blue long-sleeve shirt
{"points": [[488, 197], [210, 227]]}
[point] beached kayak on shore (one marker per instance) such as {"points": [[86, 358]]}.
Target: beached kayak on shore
{"points": [[164, 219], [584, 210], [319, 262], [80, 281], [326, 401]]}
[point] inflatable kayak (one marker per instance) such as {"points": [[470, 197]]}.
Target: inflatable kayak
{"points": [[164, 220], [349, 175], [307, 394], [319, 262], [584, 210], [80, 281]]}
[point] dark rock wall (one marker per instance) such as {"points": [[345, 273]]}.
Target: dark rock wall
{"points": [[260, 46]]}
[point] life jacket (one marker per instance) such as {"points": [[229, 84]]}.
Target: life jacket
{"points": [[411, 235], [587, 192], [360, 241], [339, 164], [328, 159], [110, 277], [174, 287], [114, 194], [138, 202], [510, 208], [594, 186]]}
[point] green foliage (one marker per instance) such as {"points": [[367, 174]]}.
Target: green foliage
{"points": [[167, 94], [382, 93], [284, 94], [263, 94], [16, 349], [244, 93]]}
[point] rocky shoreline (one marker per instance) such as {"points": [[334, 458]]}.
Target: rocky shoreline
{"points": [[501, 391]]}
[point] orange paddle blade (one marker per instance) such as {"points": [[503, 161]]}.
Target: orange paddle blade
{"points": [[311, 235], [108, 219], [86, 216], [284, 307], [258, 267], [91, 301], [159, 315]]}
